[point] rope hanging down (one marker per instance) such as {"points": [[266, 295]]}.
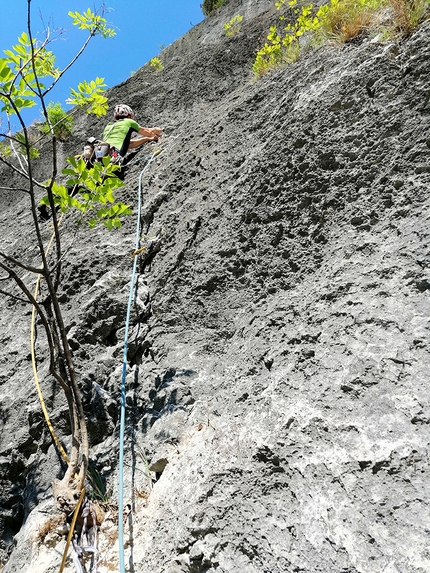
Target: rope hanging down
{"points": [[34, 364], [138, 250], [124, 371]]}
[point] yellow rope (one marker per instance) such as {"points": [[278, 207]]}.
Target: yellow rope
{"points": [[72, 527], [45, 411], [141, 250], [33, 361]]}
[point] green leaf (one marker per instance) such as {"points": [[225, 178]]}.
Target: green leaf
{"points": [[72, 182], [6, 73], [20, 50], [23, 39], [11, 55]]}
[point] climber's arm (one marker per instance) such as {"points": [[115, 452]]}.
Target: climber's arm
{"points": [[151, 132]]}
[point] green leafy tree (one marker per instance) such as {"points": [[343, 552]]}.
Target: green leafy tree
{"points": [[60, 120], [28, 72]]}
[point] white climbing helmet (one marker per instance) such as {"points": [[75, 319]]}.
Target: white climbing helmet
{"points": [[123, 110]]}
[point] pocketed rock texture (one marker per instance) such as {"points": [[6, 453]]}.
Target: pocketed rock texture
{"points": [[277, 383]]}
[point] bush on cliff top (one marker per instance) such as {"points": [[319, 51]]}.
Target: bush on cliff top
{"points": [[209, 6], [339, 21]]}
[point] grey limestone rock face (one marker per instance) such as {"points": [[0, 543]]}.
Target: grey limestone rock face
{"points": [[277, 377]]}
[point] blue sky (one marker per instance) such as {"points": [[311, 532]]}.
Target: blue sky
{"points": [[142, 27]]}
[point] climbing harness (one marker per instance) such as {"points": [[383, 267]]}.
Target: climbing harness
{"points": [[124, 369]]}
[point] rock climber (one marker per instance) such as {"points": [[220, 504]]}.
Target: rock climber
{"points": [[118, 133]]}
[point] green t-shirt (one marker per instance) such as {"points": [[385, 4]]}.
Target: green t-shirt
{"points": [[115, 133]]}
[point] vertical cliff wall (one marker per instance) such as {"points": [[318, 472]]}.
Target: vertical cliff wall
{"points": [[277, 382]]}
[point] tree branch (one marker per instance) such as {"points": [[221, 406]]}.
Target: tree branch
{"points": [[23, 174], [70, 64], [23, 66], [14, 189], [29, 296], [54, 169], [18, 298], [14, 168], [38, 271], [77, 415]]}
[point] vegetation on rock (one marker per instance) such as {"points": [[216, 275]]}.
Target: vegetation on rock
{"points": [[210, 6], [156, 64], [233, 26], [59, 120], [339, 21]]}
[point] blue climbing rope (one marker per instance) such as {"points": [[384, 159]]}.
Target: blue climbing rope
{"points": [[124, 372]]}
